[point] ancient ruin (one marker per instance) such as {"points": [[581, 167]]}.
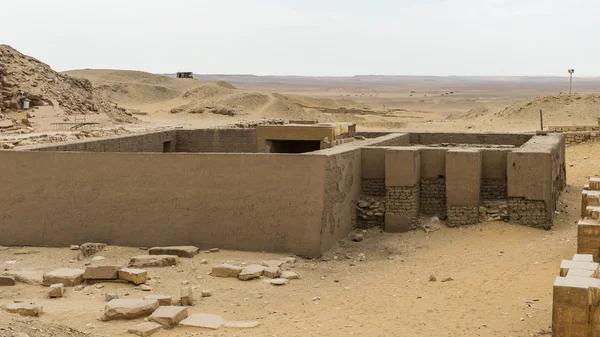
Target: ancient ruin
{"points": [[296, 188]]}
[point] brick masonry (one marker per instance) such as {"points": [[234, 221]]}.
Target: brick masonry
{"points": [[493, 189], [433, 196], [404, 201], [462, 216], [373, 187], [530, 213]]}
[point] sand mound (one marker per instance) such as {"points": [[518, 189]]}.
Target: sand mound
{"points": [[557, 109], [131, 93], [206, 91], [226, 85], [24, 77], [473, 113]]}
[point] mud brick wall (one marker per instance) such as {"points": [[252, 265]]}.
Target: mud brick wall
{"points": [[426, 138], [530, 213], [373, 187], [393, 139], [462, 215], [217, 140], [493, 189], [147, 142], [433, 196], [404, 202]]}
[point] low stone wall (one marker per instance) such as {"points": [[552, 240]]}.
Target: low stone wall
{"points": [[404, 202], [433, 196], [493, 189], [462, 215], [530, 213]]}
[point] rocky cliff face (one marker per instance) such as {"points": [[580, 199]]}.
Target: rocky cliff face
{"points": [[24, 78]]}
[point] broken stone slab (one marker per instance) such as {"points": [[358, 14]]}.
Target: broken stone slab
{"points": [[56, 290], [101, 273], [133, 275], [180, 251], [128, 309], [70, 277], [145, 287], [145, 329], [169, 316], [111, 296], [7, 281], [279, 281], [208, 321], [272, 272], [581, 273], [240, 324], [27, 277], [91, 248], [226, 270], [163, 300], [145, 261], [206, 293], [187, 296], [251, 272], [290, 275], [25, 309], [74, 247]]}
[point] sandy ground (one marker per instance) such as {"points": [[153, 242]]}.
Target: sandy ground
{"points": [[502, 274]]}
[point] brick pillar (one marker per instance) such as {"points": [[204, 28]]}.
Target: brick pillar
{"points": [[463, 186], [402, 176]]}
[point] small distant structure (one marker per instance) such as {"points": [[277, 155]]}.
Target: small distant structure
{"points": [[185, 74]]}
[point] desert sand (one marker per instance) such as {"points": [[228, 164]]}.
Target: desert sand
{"points": [[501, 274]]}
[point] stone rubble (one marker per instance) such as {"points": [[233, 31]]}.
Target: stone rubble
{"points": [[24, 309], [145, 329], [133, 275], [208, 321], [226, 270], [187, 296], [90, 249], [163, 300], [370, 212], [180, 251], [251, 272], [69, 277], [56, 290], [145, 261], [169, 316], [7, 281], [128, 309]]}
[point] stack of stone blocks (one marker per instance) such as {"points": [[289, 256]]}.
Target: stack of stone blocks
{"points": [[576, 298], [588, 229], [576, 134]]}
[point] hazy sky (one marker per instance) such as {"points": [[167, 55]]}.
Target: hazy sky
{"points": [[310, 37]]}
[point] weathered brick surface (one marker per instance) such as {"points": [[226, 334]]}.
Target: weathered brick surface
{"points": [[433, 196], [462, 216], [531, 213], [373, 188], [493, 189], [217, 140], [404, 201], [370, 212]]}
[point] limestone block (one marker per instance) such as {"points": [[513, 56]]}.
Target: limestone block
{"points": [[568, 264], [70, 277], [576, 291], [594, 184], [203, 321], [187, 296], [128, 309], [402, 167], [289, 275], [7, 281], [56, 290], [101, 273], [145, 261], [25, 309], [27, 276], [581, 273], [583, 257], [133, 275], [145, 329], [163, 300], [251, 272], [169, 316], [272, 272], [226, 270], [180, 251]]}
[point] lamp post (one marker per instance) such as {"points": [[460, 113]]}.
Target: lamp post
{"points": [[571, 71]]}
